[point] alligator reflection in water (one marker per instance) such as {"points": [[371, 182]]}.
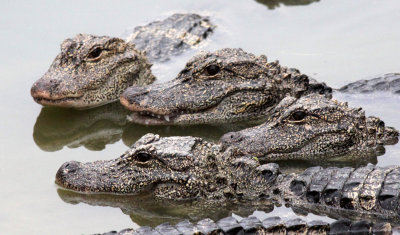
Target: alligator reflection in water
{"points": [[145, 210], [95, 128], [272, 4]]}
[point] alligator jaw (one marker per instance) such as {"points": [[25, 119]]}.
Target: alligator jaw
{"points": [[66, 102], [87, 178], [147, 118]]}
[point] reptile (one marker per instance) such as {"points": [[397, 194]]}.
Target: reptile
{"points": [[189, 168], [389, 82], [94, 70], [269, 225], [312, 127], [227, 85]]}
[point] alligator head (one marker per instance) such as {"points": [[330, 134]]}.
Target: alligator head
{"points": [[91, 71], [309, 128], [224, 86], [170, 167]]}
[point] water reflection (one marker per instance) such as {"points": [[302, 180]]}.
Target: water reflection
{"points": [[92, 128], [95, 128], [145, 210], [272, 4]]}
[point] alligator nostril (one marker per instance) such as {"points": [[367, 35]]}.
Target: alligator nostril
{"points": [[134, 94], [70, 167], [232, 137]]}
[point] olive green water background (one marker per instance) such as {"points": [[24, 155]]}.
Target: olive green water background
{"points": [[335, 41]]}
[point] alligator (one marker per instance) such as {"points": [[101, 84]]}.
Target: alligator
{"points": [[313, 127], [389, 82], [189, 168], [227, 85], [94, 70], [269, 225], [145, 210]]}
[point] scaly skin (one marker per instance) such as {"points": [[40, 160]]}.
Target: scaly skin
{"points": [[181, 168], [227, 85], [269, 225], [172, 36], [94, 70], [311, 128], [389, 82]]}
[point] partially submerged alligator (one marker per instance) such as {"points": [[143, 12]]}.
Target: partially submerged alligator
{"points": [[94, 70], [270, 225], [182, 168], [388, 82], [312, 128], [227, 85]]}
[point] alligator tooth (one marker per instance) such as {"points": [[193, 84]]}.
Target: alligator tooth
{"points": [[166, 117], [129, 118], [158, 116]]}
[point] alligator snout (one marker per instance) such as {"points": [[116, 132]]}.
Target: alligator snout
{"points": [[44, 87], [230, 138], [70, 167], [132, 98], [65, 170]]}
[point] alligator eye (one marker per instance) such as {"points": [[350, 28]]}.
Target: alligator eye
{"points": [[143, 157], [298, 116], [95, 53], [212, 69]]}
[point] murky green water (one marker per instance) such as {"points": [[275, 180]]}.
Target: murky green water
{"points": [[335, 41]]}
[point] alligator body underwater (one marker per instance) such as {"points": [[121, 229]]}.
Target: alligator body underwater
{"points": [[227, 85], [269, 225], [94, 70]]}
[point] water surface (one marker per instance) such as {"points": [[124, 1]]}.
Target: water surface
{"points": [[335, 41]]}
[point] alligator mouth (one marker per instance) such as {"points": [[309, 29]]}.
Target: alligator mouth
{"points": [[46, 101], [287, 154], [150, 118], [155, 117]]}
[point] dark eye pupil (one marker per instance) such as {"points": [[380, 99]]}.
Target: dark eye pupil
{"points": [[298, 115], [212, 69], [95, 53], [143, 157]]}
